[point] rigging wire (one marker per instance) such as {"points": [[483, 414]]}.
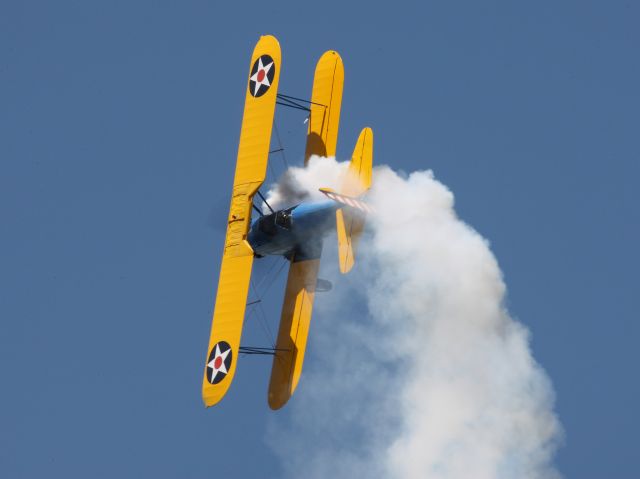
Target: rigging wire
{"points": [[259, 310], [280, 147], [264, 293], [263, 316], [262, 319], [249, 350], [284, 262], [292, 101], [271, 268]]}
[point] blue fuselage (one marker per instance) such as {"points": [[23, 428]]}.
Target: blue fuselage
{"points": [[297, 230]]}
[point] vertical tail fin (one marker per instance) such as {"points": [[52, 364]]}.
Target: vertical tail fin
{"points": [[350, 223]]}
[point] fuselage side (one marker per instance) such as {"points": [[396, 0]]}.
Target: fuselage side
{"points": [[296, 229]]}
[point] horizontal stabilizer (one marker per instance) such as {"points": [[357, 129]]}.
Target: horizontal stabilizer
{"points": [[347, 200]]}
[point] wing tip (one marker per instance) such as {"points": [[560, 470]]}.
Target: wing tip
{"points": [[277, 402], [332, 53], [269, 37], [209, 399]]}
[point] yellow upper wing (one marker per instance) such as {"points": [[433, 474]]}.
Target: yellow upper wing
{"points": [[237, 260], [322, 139]]}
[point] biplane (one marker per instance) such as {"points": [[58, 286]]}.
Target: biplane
{"points": [[296, 232]]}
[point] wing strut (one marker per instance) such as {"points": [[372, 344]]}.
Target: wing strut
{"points": [[265, 201]]}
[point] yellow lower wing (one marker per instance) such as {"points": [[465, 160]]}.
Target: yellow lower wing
{"points": [[237, 259], [293, 332], [326, 99], [322, 139]]}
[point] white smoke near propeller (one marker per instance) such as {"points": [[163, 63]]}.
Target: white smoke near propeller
{"points": [[415, 368], [302, 184]]}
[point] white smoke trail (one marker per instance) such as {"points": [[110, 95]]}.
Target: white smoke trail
{"points": [[301, 184], [417, 368]]}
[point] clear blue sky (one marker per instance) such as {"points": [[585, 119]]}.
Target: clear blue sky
{"points": [[119, 124]]}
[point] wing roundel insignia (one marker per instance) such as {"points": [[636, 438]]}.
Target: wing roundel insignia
{"points": [[219, 362], [261, 77]]}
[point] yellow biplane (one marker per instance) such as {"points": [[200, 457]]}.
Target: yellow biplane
{"points": [[295, 232]]}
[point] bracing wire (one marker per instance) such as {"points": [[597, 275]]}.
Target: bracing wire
{"points": [[257, 303], [262, 319], [250, 350], [270, 270], [280, 147]]}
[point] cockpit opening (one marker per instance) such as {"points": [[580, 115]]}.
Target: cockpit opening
{"points": [[268, 223]]}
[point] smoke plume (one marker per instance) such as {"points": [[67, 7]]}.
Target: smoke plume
{"points": [[415, 369]]}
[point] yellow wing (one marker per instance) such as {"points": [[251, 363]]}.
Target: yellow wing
{"points": [[293, 332], [237, 259], [322, 139], [349, 223], [326, 99]]}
